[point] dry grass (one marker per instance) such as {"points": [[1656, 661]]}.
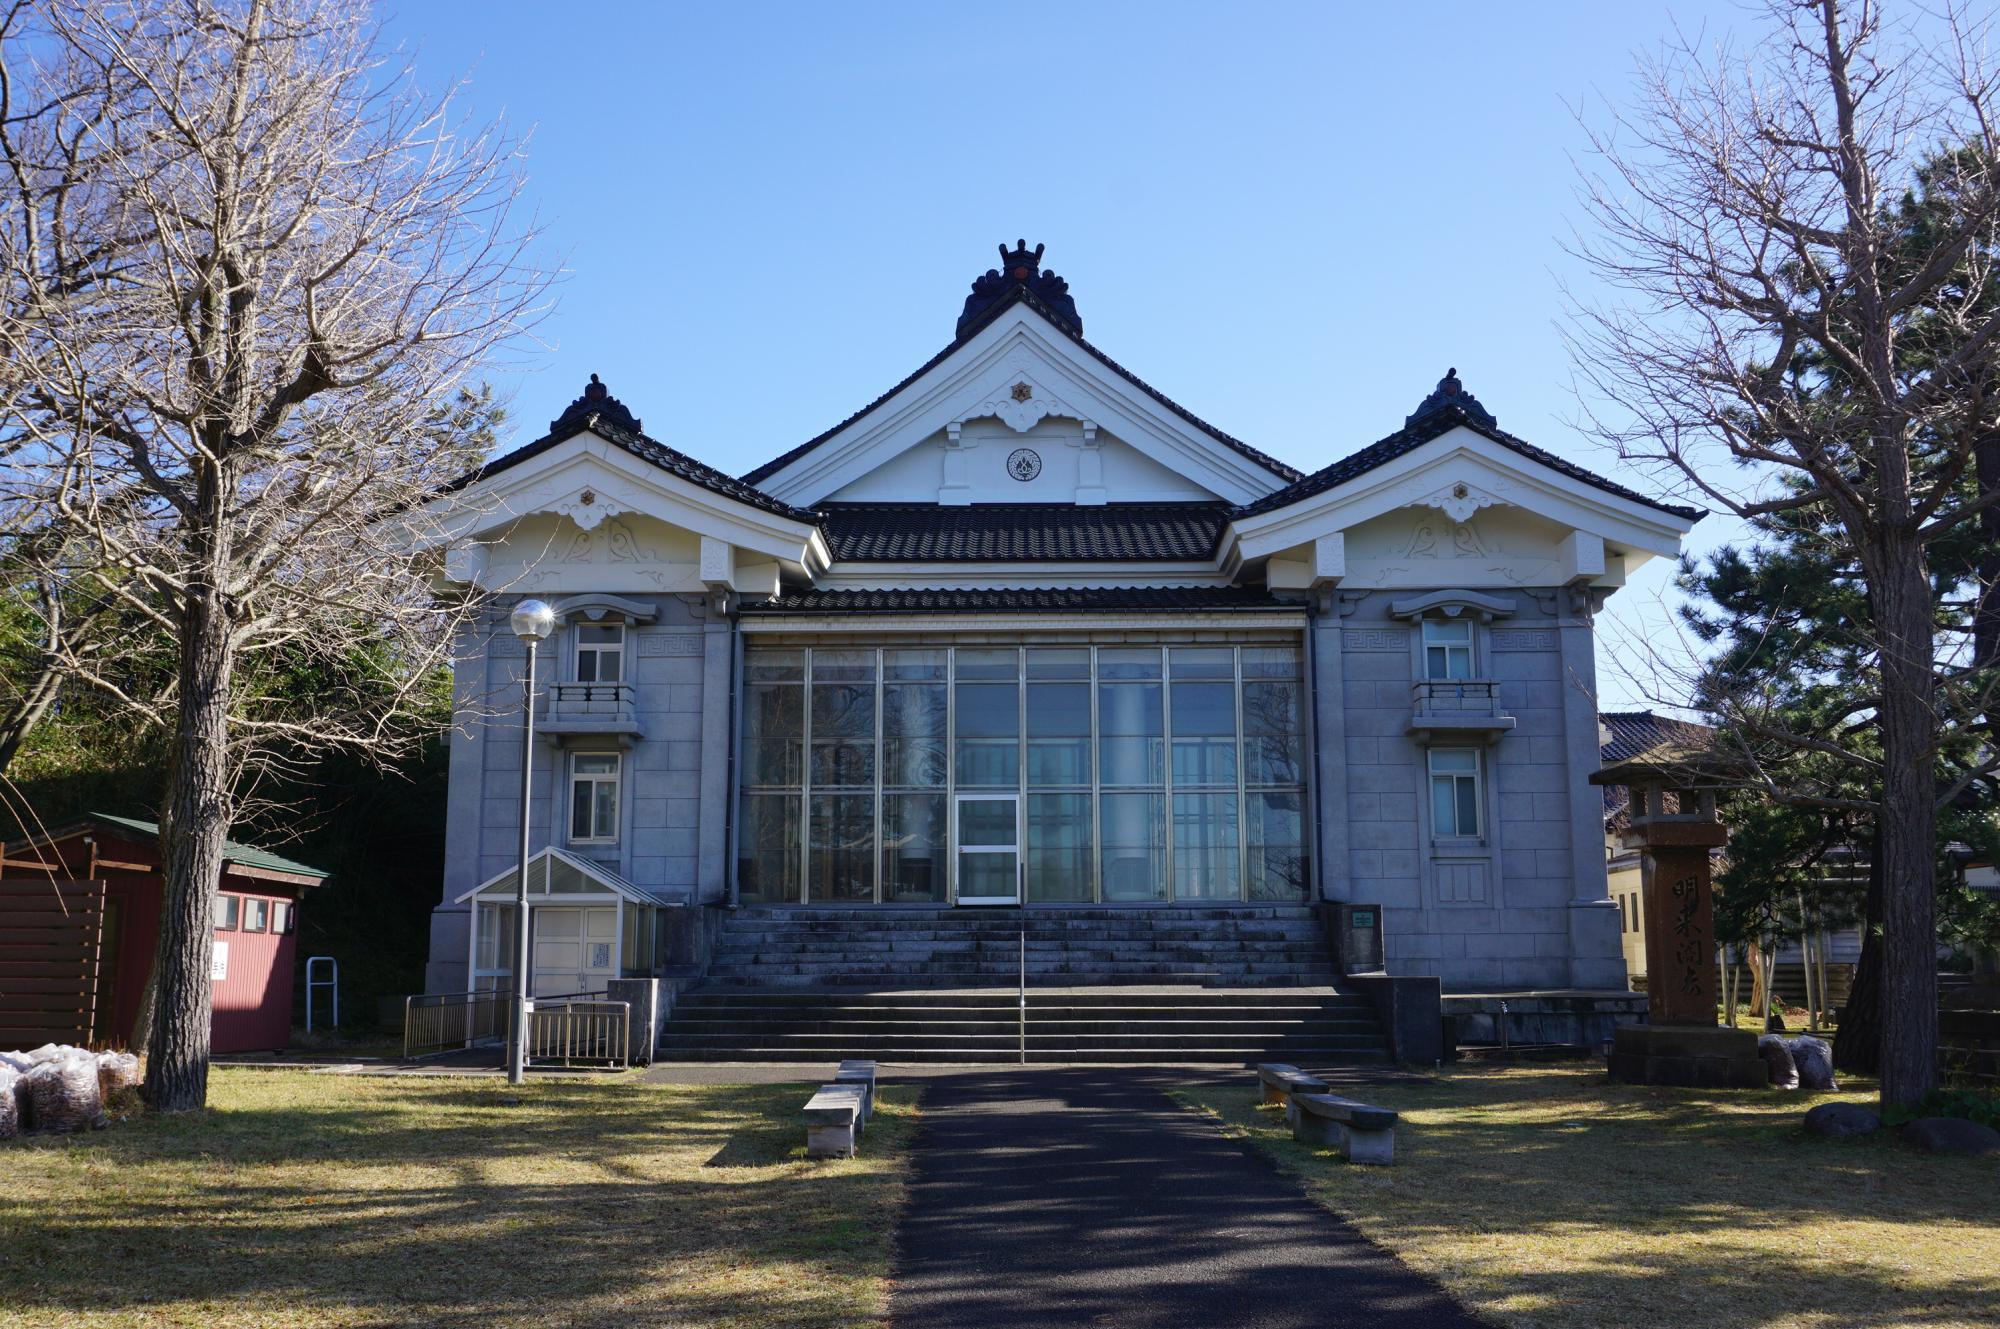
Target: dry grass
{"points": [[300, 1199], [1545, 1196]]}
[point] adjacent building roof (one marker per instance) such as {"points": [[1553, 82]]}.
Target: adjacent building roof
{"points": [[238, 855], [994, 294], [1023, 532], [1009, 600], [1630, 734]]}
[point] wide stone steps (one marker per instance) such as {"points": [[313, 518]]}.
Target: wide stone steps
{"points": [[1183, 983]]}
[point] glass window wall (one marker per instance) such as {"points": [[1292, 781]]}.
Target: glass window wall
{"points": [[1143, 773]]}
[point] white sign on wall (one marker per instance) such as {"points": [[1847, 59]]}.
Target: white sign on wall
{"points": [[218, 964]]}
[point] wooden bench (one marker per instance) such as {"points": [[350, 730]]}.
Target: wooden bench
{"points": [[863, 1074], [1362, 1133], [833, 1116], [1281, 1081]]}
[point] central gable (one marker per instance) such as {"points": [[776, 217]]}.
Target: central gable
{"points": [[1060, 459], [1021, 409]]}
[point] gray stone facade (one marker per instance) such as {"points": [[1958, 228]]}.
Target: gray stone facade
{"points": [[1523, 906], [1526, 907], [674, 794]]}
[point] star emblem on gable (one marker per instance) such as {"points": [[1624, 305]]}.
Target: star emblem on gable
{"points": [[1022, 392]]}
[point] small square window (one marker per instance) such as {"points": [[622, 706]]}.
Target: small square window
{"points": [[600, 653], [225, 912], [256, 915], [1447, 649]]}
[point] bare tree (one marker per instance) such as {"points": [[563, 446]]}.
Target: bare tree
{"points": [[250, 268], [1774, 313]]}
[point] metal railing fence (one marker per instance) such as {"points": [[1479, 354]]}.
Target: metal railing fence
{"points": [[449, 1021], [581, 1030]]}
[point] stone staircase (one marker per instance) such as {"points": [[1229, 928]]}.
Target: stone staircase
{"points": [[1184, 983]]}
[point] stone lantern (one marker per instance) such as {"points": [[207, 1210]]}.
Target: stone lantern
{"points": [[1673, 825]]}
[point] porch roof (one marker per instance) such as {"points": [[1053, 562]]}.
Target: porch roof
{"points": [[554, 873]]}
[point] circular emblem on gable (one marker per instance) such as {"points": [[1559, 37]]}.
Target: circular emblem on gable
{"points": [[1024, 463]]}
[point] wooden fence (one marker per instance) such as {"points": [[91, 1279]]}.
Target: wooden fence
{"points": [[1969, 1046], [51, 961]]}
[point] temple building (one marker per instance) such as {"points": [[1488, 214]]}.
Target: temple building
{"points": [[1022, 631]]}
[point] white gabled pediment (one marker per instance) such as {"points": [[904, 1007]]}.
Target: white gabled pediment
{"points": [[1017, 375], [1468, 509], [585, 502]]}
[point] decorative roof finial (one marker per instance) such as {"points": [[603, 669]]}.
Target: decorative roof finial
{"points": [[598, 401], [1450, 394], [1021, 265], [1020, 270]]}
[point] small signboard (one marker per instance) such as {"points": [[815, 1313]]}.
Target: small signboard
{"points": [[218, 963]]}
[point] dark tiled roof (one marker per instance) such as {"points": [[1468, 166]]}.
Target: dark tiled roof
{"points": [[1023, 295], [646, 449], [1101, 599], [1435, 424], [1014, 532], [1630, 734]]}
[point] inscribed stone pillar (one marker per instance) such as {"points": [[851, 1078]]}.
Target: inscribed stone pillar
{"points": [[1680, 935]]}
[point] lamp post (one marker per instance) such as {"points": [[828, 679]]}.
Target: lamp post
{"points": [[532, 622]]}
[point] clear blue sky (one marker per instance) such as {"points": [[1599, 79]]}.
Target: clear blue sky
{"points": [[1289, 218]]}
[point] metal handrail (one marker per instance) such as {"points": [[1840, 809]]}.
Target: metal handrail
{"points": [[1462, 695]]}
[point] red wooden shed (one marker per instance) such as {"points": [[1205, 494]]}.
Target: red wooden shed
{"points": [[80, 917]]}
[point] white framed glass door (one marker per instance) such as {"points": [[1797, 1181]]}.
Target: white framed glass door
{"points": [[987, 833]]}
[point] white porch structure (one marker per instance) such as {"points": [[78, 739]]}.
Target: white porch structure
{"points": [[587, 924]]}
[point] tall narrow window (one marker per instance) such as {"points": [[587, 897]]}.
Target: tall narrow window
{"points": [[593, 798], [1454, 792], [1447, 649], [600, 653]]}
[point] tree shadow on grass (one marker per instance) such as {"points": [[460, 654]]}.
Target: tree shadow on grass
{"points": [[360, 1201], [1593, 1203]]}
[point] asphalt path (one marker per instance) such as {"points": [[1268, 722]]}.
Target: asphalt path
{"points": [[1085, 1196]]}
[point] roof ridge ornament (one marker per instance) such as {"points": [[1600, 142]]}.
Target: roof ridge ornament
{"points": [[1451, 393], [1020, 268], [595, 401]]}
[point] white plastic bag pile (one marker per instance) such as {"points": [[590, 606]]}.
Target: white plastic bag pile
{"points": [[61, 1088]]}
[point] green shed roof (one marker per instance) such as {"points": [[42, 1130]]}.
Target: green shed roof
{"points": [[243, 855]]}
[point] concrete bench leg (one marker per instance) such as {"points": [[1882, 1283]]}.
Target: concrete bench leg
{"points": [[1369, 1146], [1308, 1129], [1352, 1145], [829, 1142], [1275, 1093]]}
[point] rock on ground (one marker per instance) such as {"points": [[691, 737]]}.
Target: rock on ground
{"points": [[1838, 1121], [1952, 1135]]}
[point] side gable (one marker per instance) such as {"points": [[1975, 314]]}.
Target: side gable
{"points": [[597, 505], [1451, 499]]}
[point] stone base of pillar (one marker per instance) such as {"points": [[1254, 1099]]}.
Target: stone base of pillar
{"points": [[1687, 1056]]}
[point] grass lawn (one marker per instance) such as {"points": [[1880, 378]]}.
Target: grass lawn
{"points": [[1545, 1196], [303, 1199]]}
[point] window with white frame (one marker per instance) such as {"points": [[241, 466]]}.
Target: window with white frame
{"points": [[600, 653], [593, 798], [1454, 792], [1447, 649]]}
